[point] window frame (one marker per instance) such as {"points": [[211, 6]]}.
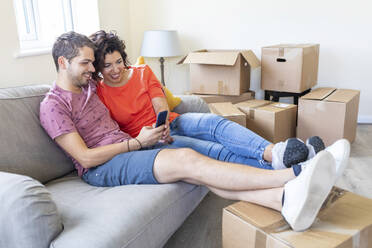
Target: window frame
{"points": [[30, 35]]}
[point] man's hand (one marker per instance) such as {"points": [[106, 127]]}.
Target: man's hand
{"points": [[150, 136]]}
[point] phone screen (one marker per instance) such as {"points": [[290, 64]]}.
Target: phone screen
{"points": [[162, 117]]}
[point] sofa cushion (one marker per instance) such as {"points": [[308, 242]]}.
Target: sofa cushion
{"points": [[123, 216], [29, 217], [191, 103], [25, 148]]}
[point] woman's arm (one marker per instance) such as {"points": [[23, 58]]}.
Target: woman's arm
{"points": [[160, 104]]}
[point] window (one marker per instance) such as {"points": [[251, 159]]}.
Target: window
{"points": [[40, 22]]}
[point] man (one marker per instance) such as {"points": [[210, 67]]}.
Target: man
{"points": [[74, 117]]}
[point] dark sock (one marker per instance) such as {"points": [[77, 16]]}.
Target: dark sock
{"points": [[296, 169]]}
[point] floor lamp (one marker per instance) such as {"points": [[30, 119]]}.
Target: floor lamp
{"points": [[160, 43]]}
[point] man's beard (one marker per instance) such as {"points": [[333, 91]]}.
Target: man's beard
{"points": [[80, 81]]}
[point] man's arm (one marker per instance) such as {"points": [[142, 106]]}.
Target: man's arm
{"points": [[74, 145]]}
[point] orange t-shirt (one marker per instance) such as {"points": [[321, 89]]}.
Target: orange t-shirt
{"points": [[130, 105]]}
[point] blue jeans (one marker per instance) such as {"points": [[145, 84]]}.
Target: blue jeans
{"points": [[219, 138]]}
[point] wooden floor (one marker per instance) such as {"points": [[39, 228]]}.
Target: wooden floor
{"points": [[203, 227]]}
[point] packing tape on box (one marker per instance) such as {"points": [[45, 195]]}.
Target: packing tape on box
{"points": [[220, 87], [214, 110], [335, 194], [281, 105], [250, 114]]}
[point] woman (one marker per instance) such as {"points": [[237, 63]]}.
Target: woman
{"points": [[134, 96]]}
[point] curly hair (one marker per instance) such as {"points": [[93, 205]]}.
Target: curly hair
{"points": [[106, 43], [68, 45]]}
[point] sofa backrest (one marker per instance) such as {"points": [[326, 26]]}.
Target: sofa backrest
{"points": [[25, 148]]}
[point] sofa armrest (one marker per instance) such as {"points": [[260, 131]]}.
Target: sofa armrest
{"points": [[28, 215], [191, 103]]}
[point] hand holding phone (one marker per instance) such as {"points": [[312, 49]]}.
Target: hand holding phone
{"points": [[161, 119]]}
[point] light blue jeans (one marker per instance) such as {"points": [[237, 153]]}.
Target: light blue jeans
{"points": [[219, 138]]}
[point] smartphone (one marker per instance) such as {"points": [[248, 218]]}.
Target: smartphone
{"points": [[161, 119]]}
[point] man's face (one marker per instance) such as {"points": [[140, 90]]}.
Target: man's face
{"points": [[80, 68]]}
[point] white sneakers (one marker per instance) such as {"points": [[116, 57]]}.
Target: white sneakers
{"points": [[341, 152], [304, 195]]}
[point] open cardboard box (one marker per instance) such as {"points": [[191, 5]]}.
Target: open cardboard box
{"points": [[221, 72], [329, 113], [345, 221]]}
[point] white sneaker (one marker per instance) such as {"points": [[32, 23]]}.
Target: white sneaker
{"points": [[285, 154], [341, 152], [304, 195]]}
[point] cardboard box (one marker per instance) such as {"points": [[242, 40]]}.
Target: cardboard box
{"points": [[329, 113], [233, 99], [345, 221], [221, 72], [273, 121], [289, 68], [228, 111]]}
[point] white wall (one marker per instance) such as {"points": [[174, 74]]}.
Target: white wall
{"points": [[113, 14], [343, 29]]}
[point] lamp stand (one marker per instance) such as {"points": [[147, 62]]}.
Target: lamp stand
{"points": [[162, 70]]}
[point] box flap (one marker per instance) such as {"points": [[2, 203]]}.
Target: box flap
{"points": [[277, 107], [183, 59], [318, 94], [250, 104], [251, 58], [212, 58], [261, 217], [223, 98], [342, 95], [225, 109]]}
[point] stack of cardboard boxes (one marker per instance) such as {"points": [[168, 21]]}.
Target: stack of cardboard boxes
{"points": [[222, 79], [327, 112]]}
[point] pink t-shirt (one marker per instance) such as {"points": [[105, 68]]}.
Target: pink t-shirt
{"points": [[64, 112]]}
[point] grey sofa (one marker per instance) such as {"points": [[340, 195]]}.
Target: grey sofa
{"points": [[43, 203]]}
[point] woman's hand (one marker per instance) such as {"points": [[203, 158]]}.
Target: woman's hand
{"points": [[150, 136], [166, 134]]}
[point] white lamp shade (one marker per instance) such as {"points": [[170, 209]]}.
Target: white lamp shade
{"points": [[160, 43]]}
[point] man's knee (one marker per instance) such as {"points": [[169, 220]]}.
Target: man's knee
{"points": [[186, 154], [174, 164]]}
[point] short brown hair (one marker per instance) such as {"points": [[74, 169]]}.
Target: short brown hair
{"points": [[68, 45], [106, 43]]}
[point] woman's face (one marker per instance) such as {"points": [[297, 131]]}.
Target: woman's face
{"points": [[113, 68]]}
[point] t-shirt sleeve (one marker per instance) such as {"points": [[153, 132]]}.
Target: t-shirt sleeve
{"points": [[155, 89], [55, 118]]}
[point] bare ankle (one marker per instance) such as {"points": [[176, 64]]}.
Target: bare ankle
{"points": [[267, 156]]}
